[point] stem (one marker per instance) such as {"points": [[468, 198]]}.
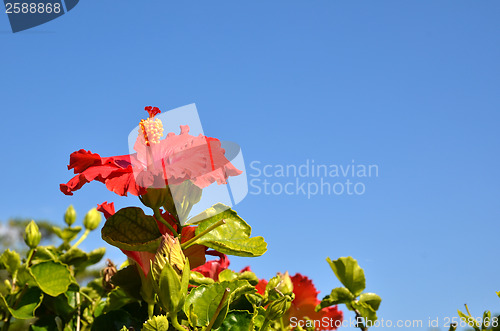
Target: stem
{"points": [[219, 308], [158, 217], [6, 323], [77, 297], [82, 238], [30, 257], [264, 325], [151, 309], [359, 325], [467, 308], [281, 323], [176, 324], [210, 228]]}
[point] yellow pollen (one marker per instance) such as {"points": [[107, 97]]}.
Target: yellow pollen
{"points": [[152, 130]]}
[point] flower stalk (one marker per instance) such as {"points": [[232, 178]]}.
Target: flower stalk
{"points": [[219, 308], [158, 217], [210, 228]]}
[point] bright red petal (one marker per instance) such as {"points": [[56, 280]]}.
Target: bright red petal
{"points": [[141, 258], [116, 172], [212, 269], [306, 301], [108, 209]]}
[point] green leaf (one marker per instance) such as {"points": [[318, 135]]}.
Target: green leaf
{"points": [[349, 273], [156, 323], [10, 260], [117, 298], [232, 238], [228, 275], [114, 321], [52, 277], [74, 256], [249, 276], [203, 301], [131, 229], [237, 320], [129, 280], [26, 305], [339, 295], [366, 311], [372, 299], [60, 305], [197, 279], [67, 234], [259, 317], [45, 253]]}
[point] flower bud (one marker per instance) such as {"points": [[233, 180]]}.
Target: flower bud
{"points": [[170, 252], [92, 219], [156, 197], [279, 307], [170, 275], [285, 286], [32, 235], [70, 215]]}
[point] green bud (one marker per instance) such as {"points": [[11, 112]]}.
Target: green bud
{"points": [[156, 197], [32, 235], [170, 272], [170, 252], [285, 286], [92, 219], [70, 215], [279, 307]]}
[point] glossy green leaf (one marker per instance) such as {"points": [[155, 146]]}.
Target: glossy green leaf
{"points": [[232, 238], [53, 278], [248, 276], [237, 320], [349, 273], [10, 260], [26, 305], [366, 311], [156, 323], [338, 296], [203, 301], [197, 279], [131, 229], [228, 275], [372, 299]]}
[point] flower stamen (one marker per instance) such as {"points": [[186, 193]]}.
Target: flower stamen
{"points": [[151, 128]]}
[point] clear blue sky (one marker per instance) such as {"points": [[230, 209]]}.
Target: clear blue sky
{"points": [[412, 86]]}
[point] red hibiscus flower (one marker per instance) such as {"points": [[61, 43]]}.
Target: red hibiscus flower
{"points": [[306, 299], [156, 163], [212, 269], [195, 253]]}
